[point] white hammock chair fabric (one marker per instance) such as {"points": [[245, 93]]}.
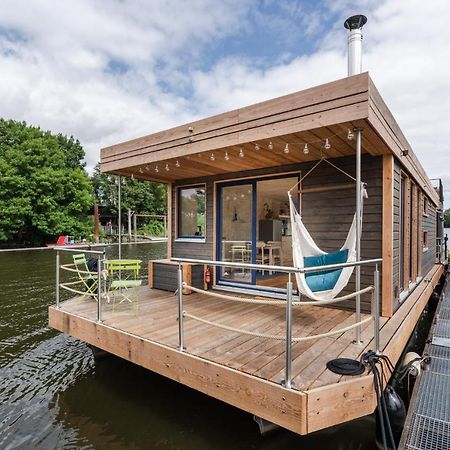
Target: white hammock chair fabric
{"points": [[303, 246]]}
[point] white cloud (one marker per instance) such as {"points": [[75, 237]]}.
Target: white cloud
{"points": [[110, 71]]}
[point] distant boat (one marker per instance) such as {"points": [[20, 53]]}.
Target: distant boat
{"points": [[63, 241]]}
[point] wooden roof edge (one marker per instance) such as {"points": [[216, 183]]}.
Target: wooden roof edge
{"points": [[313, 95], [398, 142]]}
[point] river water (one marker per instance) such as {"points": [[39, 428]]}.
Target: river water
{"points": [[54, 395]]}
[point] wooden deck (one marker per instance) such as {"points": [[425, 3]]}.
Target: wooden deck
{"points": [[243, 370]]}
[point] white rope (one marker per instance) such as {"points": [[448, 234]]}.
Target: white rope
{"points": [[277, 302], [274, 336], [68, 268], [332, 333], [337, 299], [64, 286]]}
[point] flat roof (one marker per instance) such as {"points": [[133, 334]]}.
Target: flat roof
{"points": [[213, 145]]}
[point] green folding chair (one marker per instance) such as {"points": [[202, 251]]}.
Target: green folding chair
{"points": [[124, 281], [87, 278]]}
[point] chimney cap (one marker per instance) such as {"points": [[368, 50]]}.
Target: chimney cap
{"points": [[355, 22]]}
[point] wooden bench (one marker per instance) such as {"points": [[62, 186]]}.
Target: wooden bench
{"points": [[162, 274]]}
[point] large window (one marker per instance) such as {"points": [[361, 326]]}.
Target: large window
{"points": [[191, 212]]}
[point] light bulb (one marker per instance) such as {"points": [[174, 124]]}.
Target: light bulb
{"points": [[241, 152], [350, 134], [270, 146], [140, 170], [306, 149], [212, 157], [156, 169], [257, 147], [177, 164], [167, 168], [286, 149], [227, 156], [147, 167], [327, 144]]}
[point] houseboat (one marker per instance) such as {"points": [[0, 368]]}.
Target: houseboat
{"points": [[246, 190]]}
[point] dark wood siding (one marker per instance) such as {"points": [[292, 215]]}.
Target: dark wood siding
{"points": [[428, 224], [327, 215]]}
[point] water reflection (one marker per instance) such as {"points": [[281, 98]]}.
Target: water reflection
{"points": [[53, 395]]}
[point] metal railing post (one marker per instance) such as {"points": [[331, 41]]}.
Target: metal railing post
{"points": [[358, 234], [376, 308], [180, 309], [287, 382], [57, 279], [99, 290]]}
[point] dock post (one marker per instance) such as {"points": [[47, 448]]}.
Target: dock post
{"points": [[57, 279], [180, 308], [376, 309], [99, 290], [287, 382], [358, 235]]}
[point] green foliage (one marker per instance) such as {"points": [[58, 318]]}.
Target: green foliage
{"points": [[447, 218], [137, 195], [44, 189], [154, 228]]}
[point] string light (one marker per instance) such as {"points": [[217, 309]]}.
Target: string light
{"points": [[177, 164], [326, 144], [257, 147], [241, 152], [212, 157], [167, 168], [270, 146], [306, 149], [227, 156], [140, 170], [147, 167], [350, 134], [156, 168], [286, 149]]}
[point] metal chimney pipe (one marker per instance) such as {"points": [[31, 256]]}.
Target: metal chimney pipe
{"points": [[355, 24]]}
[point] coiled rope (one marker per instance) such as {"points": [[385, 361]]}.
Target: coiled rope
{"points": [[274, 336], [257, 301]]}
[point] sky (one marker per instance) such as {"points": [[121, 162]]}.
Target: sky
{"points": [[112, 70]]}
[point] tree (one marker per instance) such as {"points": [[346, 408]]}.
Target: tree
{"points": [[447, 218], [44, 189], [137, 195]]}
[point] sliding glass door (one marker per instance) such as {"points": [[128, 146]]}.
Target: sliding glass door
{"points": [[236, 230], [254, 227]]}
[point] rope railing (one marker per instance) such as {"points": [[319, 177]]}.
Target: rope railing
{"points": [[71, 283], [288, 303], [258, 301], [274, 336], [68, 268]]}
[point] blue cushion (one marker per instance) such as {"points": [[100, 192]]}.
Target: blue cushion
{"points": [[326, 279]]}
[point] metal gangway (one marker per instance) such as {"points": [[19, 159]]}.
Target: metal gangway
{"points": [[427, 426]]}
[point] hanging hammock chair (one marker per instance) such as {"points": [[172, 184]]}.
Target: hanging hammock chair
{"points": [[323, 285]]}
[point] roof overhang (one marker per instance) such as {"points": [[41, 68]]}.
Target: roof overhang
{"points": [[199, 148]]}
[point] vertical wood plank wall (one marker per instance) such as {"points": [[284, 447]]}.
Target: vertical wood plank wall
{"points": [[387, 289], [426, 258], [327, 215]]}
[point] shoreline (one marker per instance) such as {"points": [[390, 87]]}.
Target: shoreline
{"points": [[150, 241]]}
